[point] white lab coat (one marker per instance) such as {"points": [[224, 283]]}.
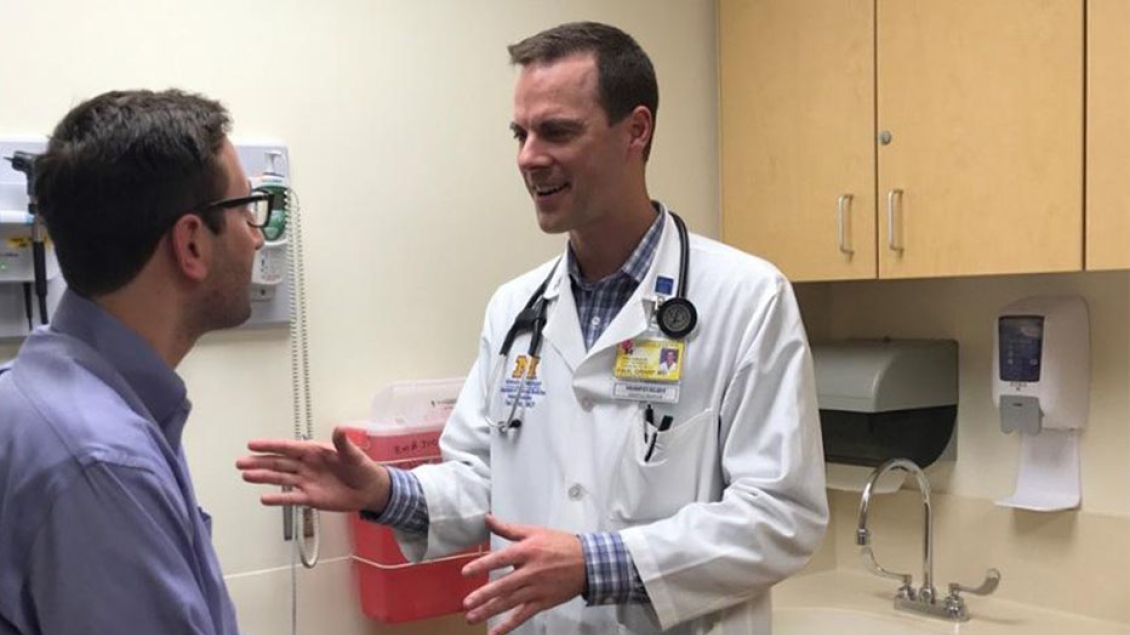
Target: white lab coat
{"points": [[733, 499]]}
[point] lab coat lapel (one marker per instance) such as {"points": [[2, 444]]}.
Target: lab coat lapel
{"points": [[562, 329]]}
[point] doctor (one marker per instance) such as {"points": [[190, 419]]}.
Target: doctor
{"points": [[618, 500]]}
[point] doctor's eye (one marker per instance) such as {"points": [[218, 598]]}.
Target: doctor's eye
{"points": [[519, 133], [560, 130]]}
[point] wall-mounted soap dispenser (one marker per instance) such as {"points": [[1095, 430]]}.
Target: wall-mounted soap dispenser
{"points": [[1042, 387], [885, 399]]}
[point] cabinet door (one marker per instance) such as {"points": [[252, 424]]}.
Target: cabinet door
{"points": [[797, 140], [1108, 134], [984, 103]]}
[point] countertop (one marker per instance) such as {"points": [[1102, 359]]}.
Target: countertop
{"points": [[861, 593]]}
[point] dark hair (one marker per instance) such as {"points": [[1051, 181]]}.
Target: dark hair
{"points": [[118, 171], [625, 74]]}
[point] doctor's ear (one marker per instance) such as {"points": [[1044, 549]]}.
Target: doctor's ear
{"points": [[641, 125], [191, 246]]}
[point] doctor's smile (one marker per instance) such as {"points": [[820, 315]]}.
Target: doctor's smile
{"points": [[544, 191]]}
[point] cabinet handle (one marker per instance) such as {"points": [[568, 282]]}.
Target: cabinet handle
{"points": [[844, 208], [892, 240]]}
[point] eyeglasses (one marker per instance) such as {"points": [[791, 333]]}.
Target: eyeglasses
{"points": [[260, 206]]}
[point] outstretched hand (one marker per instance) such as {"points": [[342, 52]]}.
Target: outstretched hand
{"points": [[549, 569], [338, 477]]}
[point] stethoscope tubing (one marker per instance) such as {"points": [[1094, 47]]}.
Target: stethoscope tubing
{"points": [[684, 255]]}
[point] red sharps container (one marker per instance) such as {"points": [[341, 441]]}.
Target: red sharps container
{"points": [[403, 431]]}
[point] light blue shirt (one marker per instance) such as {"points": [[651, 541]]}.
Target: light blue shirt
{"points": [[100, 532]]}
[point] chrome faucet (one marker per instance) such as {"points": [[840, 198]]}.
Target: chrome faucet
{"points": [[907, 598]]}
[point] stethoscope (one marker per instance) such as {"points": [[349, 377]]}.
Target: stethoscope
{"points": [[675, 316]]}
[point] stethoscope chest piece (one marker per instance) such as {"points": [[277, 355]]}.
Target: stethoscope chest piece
{"points": [[677, 317]]}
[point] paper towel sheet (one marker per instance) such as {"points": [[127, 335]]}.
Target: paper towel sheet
{"points": [[1048, 477]]}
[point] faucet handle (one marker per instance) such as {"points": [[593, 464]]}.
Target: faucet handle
{"points": [[992, 579], [873, 566]]}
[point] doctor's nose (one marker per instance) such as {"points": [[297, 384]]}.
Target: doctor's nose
{"points": [[532, 156]]}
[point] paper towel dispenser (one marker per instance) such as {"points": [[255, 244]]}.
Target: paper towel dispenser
{"points": [[882, 399]]}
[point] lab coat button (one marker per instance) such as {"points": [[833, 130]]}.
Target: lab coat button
{"points": [[576, 492], [586, 403]]}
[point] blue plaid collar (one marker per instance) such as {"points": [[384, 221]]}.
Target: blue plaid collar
{"points": [[637, 264]]}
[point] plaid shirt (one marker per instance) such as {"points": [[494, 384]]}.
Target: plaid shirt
{"points": [[611, 575], [599, 302]]}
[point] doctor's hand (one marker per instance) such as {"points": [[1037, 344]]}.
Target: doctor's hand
{"points": [[338, 477], [549, 569]]}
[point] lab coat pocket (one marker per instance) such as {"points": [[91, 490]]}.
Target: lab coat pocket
{"points": [[646, 490]]}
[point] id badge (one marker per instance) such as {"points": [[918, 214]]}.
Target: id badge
{"points": [[649, 368]]}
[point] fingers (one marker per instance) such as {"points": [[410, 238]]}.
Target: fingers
{"points": [[506, 586], [498, 605], [287, 447], [348, 451], [510, 531], [292, 497], [274, 463], [506, 557], [271, 477], [515, 619]]}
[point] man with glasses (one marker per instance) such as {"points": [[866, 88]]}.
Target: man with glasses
{"points": [[156, 230]]}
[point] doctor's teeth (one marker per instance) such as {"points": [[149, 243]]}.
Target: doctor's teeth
{"points": [[544, 190]]}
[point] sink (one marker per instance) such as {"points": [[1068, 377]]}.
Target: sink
{"points": [[815, 621], [855, 603]]}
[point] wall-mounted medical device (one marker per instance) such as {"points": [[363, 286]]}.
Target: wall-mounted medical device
{"points": [[885, 399], [268, 165], [30, 283], [16, 260], [24, 163], [270, 268], [1041, 386], [270, 291]]}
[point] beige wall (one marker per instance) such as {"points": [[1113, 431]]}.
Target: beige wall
{"points": [[395, 114], [1075, 561]]}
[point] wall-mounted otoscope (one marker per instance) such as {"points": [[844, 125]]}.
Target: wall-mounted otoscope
{"points": [[24, 162]]}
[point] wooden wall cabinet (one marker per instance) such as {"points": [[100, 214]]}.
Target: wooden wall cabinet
{"points": [[956, 127], [1108, 134], [798, 134]]}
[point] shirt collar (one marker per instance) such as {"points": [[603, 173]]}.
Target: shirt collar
{"points": [[155, 383], [637, 264]]}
